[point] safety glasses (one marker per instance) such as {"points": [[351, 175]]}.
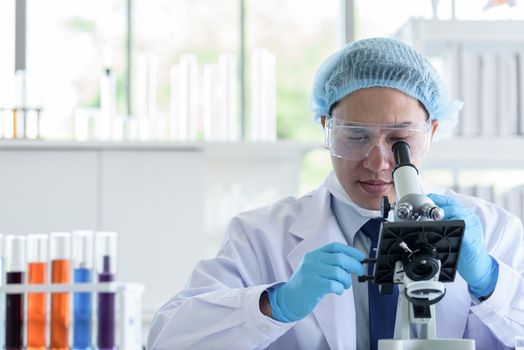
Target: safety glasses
{"points": [[355, 141]]}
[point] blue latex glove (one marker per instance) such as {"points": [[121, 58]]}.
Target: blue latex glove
{"points": [[322, 271], [475, 265]]}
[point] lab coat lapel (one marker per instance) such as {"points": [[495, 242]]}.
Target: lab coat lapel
{"points": [[335, 314]]}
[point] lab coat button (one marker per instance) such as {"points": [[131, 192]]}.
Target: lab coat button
{"points": [[263, 328]]}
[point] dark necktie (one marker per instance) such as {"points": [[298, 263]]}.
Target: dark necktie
{"points": [[382, 308]]}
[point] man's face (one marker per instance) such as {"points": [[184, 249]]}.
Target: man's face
{"points": [[367, 180]]}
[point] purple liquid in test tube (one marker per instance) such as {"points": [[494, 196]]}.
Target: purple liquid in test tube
{"points": [[106, 260], [14, 311]]}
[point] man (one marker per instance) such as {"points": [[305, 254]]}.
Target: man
{"points": [[286, 275]]}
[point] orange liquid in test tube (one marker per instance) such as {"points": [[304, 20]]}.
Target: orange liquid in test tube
{"points": [[60, 305], [36, 308]]}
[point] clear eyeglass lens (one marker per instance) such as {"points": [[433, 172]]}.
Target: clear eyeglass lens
{"points": [[354, 142]]}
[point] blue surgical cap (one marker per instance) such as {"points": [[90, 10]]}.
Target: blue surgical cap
{"points": [[387, 63]]}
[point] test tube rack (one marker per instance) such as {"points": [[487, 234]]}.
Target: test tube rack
{"points": [[128, 305]]}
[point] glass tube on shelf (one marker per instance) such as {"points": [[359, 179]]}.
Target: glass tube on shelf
{"points": [[60, 302], [146, 94], [106, 269], [211, 122], [36, 302], [14, 311], [188, 114], [228, 77], [7, 123], [82, 301], [256, 94], [175, 132], [20, 109], [2, 112], [31, 132], [263, 95], [81, 124], [107, 97]]}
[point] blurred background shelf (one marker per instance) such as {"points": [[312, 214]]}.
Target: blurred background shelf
{"points": [[218, 149], [477, 153], [432, 36]]}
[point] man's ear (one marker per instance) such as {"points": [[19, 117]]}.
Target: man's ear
{"points": [[434, 127], [323, 121]]}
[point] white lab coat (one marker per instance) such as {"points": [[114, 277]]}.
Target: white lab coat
{"points": [[219, 309]]}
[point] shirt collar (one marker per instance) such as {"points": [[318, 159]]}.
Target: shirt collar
{"points": [[349, 215], [349, 220]]}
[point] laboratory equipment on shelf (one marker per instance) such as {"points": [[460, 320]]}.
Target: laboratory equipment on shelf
{"points": [[418, 252], [20, 120]]}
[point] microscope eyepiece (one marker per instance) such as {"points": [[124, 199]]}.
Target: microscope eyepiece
{"points": [[401, 152]]}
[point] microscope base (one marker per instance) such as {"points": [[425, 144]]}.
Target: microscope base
{"points": [[426, 344]]}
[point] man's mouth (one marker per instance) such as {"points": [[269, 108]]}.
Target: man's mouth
{"points": [[375, 187]]}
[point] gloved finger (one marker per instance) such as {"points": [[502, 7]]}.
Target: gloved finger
{"points": [[453, 212], [460, 213], [441, 200], [452, 208], [343, 248], [331, 272], [331, 286], [349, 264]]}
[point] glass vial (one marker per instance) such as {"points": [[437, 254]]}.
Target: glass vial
{"points": [[106, 269], [14, 309], [2, 300], [60, 302], [82, 301], [36, 302]]}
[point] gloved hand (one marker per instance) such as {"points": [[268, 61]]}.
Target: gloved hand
{"points": [[475, 265], [324, 270]]}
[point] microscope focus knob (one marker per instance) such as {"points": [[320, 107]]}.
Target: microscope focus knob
{"points": [[385, 207], [404, 210], [437, 214], [432, 212]]}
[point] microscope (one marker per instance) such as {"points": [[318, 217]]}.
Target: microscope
{"points": [[419, 252]]}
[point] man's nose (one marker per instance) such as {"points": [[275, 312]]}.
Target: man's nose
{"points": [[379, 159]]}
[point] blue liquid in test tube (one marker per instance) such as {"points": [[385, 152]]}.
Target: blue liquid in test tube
{"points": [[82, 301]]}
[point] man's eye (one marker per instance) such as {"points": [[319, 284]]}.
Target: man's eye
{"points": [[356, 138], [399, 137]]}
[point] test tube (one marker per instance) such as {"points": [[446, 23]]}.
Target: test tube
{"points": [[106, 268], [2, 300], [36, 302], [60, 302], [14, 310], [82, 302]]}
